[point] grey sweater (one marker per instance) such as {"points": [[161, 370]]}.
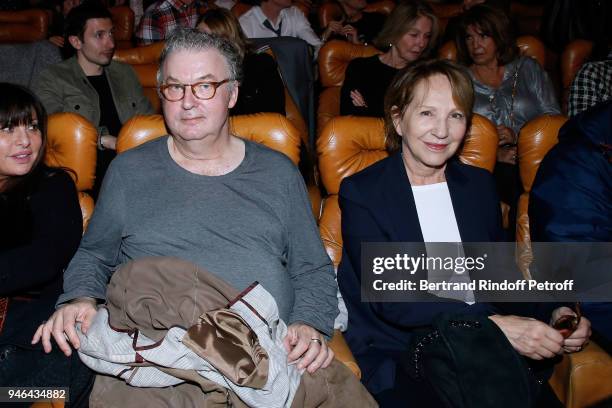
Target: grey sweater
{"points": [[252, 224]]}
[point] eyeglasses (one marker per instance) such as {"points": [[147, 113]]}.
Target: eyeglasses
{"points": [[202, 90]]}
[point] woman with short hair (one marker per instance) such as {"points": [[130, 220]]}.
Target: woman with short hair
{"points": [[422, 193]]}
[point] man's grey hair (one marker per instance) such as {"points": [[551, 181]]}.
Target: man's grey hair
{"points": [[188, 39]]}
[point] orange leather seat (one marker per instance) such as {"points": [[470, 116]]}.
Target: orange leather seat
{"points": [[123, 20], [334, 58], [574, 55], [23, 26], [145, 61], [270, 129], [72, 143], [581, 379], [536, 138], [528, 45]]}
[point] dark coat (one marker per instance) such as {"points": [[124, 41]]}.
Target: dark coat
{"points": [[571, 198]]}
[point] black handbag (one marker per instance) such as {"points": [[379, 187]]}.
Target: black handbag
{"points": [[469, 363]]}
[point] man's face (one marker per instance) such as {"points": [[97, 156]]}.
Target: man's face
{"points": [[98, 44], [191, 118]]}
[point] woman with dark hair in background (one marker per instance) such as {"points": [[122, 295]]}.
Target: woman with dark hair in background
{"points": [[510, 89], [41, 229], [409, 33], [261, 87]]}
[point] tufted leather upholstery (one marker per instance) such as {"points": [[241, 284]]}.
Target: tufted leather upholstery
{"points": [[334, 58], [123, 20], [528, 45], [331, 10], [145, 61], [72, 143], [349, 144], [574, 55], [23, 26]]}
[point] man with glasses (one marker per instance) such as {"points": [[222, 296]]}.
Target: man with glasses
{"points": [[234, 207]]}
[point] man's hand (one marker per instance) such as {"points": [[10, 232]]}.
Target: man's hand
{"points": [[62, 323], [530, 337], [577, 339], [305, 342]]}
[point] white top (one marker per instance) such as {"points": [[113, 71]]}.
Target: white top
{"points": [[436, 213], [439, 224], [291, 20]]}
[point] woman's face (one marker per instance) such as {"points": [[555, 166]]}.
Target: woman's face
{"points": [[19, 149], [411, 45], [432, 126], [481, 47]]}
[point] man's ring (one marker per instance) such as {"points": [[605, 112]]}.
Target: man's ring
{"points": [[318, 341]]}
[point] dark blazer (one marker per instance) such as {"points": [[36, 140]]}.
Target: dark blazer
{"points": [[378, 206]]}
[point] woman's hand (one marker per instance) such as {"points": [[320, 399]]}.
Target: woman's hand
{"points": [[530, 337], [334, 27], [358, 99], [579, 337], [62, 324], [351, 34], [305, 342], [506, 154], [506, 135]]}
